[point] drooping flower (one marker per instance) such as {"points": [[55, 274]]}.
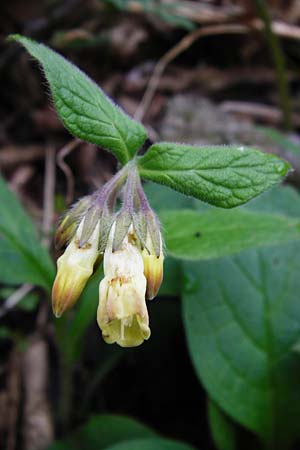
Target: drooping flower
{"points": [[74, 268], [132, 245], [122, 312]]}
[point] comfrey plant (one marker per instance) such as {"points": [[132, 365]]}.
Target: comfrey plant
{"points": [[129, 238]]}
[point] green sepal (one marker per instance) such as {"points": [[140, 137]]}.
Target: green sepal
{"points": [[123, 222], [91, 219]]}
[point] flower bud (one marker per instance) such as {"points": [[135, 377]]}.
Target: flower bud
{"points": [[122, 312], [69, 224], [74, 268], [153, 267]]}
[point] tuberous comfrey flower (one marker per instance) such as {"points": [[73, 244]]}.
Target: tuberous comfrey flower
{"points": [[74, 268], [148, 229], [153, 266], [122, 312], [132, 248]]}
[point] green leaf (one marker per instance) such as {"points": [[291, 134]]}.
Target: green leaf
{"points": [[83, 107], [282, 199], [162, 197], [105, 430], [70, 331], [280, 139], [29, 302], [172, 280], [219, 175], [22, 258], [192, 235], [151, 444], [242, 319], [61, 445], [5, 333], [221, 427]]}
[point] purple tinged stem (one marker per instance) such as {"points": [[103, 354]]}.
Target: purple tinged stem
{"points": [[110, 189], [144, 204], [128, 204]]}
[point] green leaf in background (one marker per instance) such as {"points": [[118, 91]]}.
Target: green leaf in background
{"points": [[280, 139], [172, 280], [162, 197], [219, 175], [83, 107], [22, 258], [193, 235], [166, 12], [60, 445], [28, 303], [242, 320], [280, 200], [103, 431], [151, 444], [71, 331], [221, 427]]}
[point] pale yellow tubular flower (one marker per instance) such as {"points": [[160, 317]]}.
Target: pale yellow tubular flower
{"points": [[122, 312], [74, 268], [153, 267]]}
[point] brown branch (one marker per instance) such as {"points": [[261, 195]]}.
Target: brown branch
{"points": [[175, 51], [267, 113], [49, 191], [66, 150], [37, 430], [279, 28]]}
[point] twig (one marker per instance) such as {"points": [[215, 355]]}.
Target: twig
{"points": [[281, 29], [11, 414], [278, 28], [68, 148], [175, 51], [199, 12], [11, 155], [37, 427], [15, 298], [38, 430], [49, 190], [268, 113]]}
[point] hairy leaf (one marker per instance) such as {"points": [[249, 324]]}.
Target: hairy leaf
{"points": [[83, 107], [219, 175]]}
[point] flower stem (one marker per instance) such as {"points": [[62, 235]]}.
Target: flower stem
{"points": [[111, 187], [128, 204], [144, 204]]}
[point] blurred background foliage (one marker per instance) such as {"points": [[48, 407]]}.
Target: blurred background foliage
{"points": [[221, 370]]}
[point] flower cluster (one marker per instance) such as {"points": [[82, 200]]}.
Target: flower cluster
{"points": [[130, 243]]}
